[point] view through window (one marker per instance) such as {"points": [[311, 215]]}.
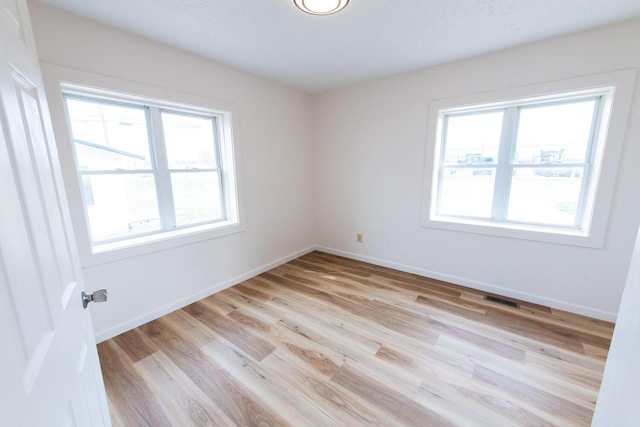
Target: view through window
{"points": [[525, 162], [145, 169]]}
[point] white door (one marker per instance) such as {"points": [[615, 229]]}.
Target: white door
{"points": [[50, 374], [619, 399]]}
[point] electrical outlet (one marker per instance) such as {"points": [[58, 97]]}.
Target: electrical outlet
{"points": [[359, 237]]}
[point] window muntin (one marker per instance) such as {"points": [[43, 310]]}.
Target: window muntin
{"points": [[524, 163], [145, 169]]}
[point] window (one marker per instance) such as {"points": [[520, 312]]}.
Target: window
{"points": [[523, 163], [149, 168], [527, 166]]}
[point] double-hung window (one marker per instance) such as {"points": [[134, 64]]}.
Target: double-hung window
{"points": [[146, 168], [523, 163], [525, 167]]}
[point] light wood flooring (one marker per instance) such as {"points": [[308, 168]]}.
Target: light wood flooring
{"points": [[327, 341]]}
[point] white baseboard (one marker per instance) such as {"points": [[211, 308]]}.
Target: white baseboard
{"points": [[462, 281], [164, 310], [481, 286]]}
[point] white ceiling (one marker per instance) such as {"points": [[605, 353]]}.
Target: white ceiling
{"points": [[367, 40]]}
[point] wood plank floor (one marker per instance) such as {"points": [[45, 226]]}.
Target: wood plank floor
{"points": [[327, 341]]}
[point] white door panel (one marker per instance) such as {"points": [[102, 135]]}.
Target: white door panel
{"points": [[49, 363]]}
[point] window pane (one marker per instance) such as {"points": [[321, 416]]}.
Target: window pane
{"points": [[557, 133], [545, 195], [472, 138], [120, 205], [109, 136], [196, 197], [189, 141], [467, 193]]}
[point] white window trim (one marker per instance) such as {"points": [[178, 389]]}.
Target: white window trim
{"points": [[605, 162], [59, 79]]}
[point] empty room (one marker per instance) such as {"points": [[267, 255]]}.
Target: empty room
{"points": [[319, 213]]}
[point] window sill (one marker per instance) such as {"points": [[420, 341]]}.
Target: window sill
{"points": [[560, 236], [114, 251]]}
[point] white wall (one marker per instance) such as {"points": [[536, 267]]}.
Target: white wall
{"points": [[369, 149], [618, 399], [275, 149], [319, 169]]}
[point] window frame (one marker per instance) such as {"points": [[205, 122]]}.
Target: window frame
{"points": [[158, 164], [617, 90], [165, 172], [505, 166], [59, 79]]}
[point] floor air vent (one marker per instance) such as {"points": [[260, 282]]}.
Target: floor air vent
{"points": [[502, 301]]}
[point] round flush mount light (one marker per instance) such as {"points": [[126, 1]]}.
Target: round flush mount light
{"points": [[321, 7]]}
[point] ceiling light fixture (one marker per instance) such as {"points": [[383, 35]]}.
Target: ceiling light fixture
{"points": [[321, 7]]}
